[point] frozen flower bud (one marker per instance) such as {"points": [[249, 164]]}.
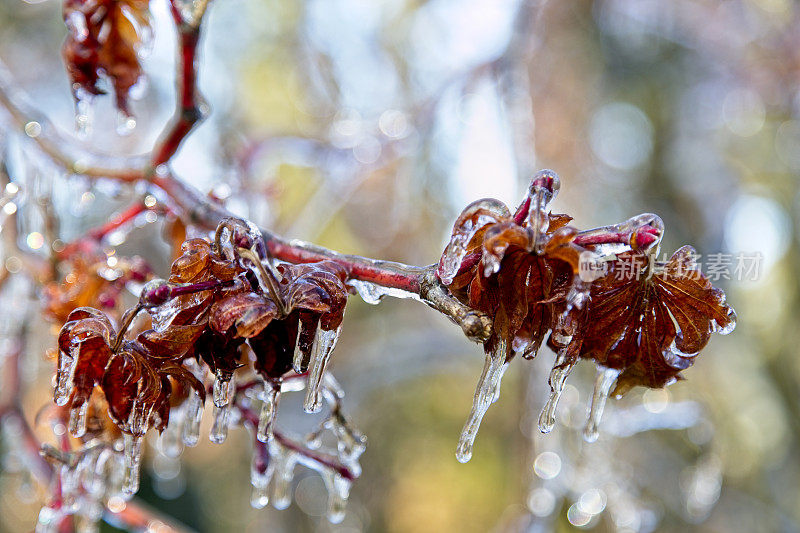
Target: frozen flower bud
{"points": [[155, 293]]}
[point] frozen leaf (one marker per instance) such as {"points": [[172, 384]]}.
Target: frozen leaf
{"points": [[103, 39], [650, 321]]}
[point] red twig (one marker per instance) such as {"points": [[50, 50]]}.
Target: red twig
{"points": [[136, 516], [87, 243], [188, 111]]}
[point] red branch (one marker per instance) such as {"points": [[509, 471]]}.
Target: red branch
{"points": [[87, 243], [188, 110]]}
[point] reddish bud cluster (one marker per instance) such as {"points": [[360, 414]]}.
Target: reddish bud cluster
{"points": [[213, 304], [524, 272]]}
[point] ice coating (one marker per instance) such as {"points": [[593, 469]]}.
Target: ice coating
{"points": [[558, 377], [324, 343], [269, 408], [219, 428], [139, 418], [223, 389], [299, 355], [64, 376], [543, 189], [84, 111], [338, 492], [651, 224], [133, 459], [606, 377], [373, 294], [641, 232], [88, 477], [486, 393], [560, 333], [284, 460], [730, 326], [474, 217], [125, 124], [351, 444], [578, 294]]}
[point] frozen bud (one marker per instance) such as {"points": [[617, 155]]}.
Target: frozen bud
{"points": [[547, 180], [644, 237], [155, 293]]}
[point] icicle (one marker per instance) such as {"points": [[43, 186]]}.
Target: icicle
{"points": [[373, 294], [578, 294], [95, 473], [171, 442], [70, 481], [284, 461], [487, 390], [606, 377], [338, 493], [269, 407], [223, 389], [558, 377], [133, 458], [77, 419], [192, 418], [139, 418], [324, 343], [474, 217], [260, 476], [83, 115], [299, 355], [219, 429], [66, 371], [559, 335], [496, 390]]}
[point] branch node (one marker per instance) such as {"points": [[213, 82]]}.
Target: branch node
{"points": [[477, 326]]}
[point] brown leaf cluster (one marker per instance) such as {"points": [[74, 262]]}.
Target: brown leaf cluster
{"points": [[219, 305], [103, 39], [647, 319]]}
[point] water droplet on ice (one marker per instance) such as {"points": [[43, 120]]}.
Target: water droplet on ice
{"points": [[125, 124]]}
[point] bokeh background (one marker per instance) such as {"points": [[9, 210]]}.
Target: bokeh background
{"points": [[367, 126]]}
